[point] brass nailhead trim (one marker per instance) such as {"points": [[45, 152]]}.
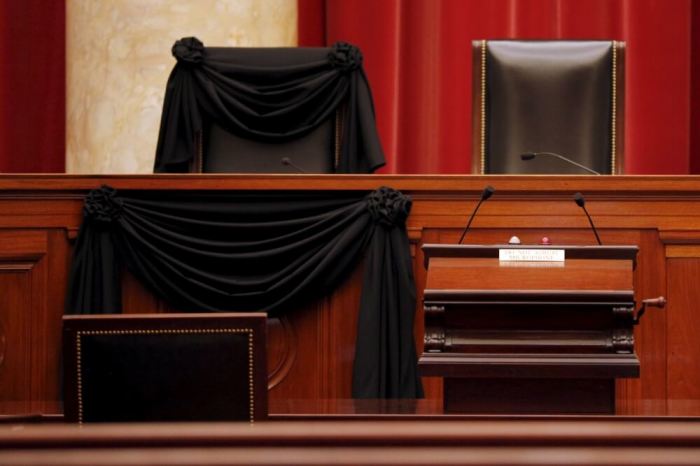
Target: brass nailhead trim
{"points": [[613, 131], [249, 331], [613, 120], [482, 136], [251, 385], [80, 380]]}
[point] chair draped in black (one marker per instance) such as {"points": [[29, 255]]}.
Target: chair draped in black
{"points": [[548, 97], [267, 110]]}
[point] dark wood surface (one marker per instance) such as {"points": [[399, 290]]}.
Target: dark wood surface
{"points": [[311, 350], [435, 442], [529, 395]]}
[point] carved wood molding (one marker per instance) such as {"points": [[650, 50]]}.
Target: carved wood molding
{"points": [[72, 233], [287, 341], [681, 244], [435, 335], [682, 251], [20, 261], [61, 186], [17, 266], [531, 365], [680, 237], [623, 341]]}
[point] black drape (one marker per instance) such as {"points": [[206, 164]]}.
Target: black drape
{"points": [[271, 103], [223, 251]]}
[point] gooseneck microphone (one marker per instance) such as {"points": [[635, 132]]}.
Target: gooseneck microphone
{"points": [[531, 155], [485, 194], [288, 162], [581, 202]]}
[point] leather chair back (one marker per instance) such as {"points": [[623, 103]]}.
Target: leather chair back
{"points": [[565, 97], [165, 367]]}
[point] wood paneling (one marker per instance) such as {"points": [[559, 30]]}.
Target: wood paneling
{"points": [[312, 348], [342, 315], [647, 394], [15, 339], [579, 274], [24, 334], [683, 375]]}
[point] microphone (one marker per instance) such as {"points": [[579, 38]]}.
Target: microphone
{"points": [[531, 155], [288, 162], [485, 194], [581, 202]]}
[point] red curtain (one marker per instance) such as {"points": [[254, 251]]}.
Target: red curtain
{"points": [[418, 59], [695, 90], [32, 86]]}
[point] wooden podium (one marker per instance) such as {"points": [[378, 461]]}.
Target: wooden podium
{"points": [[529, 329]]}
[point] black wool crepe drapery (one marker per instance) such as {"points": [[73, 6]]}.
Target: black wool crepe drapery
{"points": [[223, 251], [272, 103]]}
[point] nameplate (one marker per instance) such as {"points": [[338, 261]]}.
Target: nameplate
{"points": [[532, 265], [531, 255]]}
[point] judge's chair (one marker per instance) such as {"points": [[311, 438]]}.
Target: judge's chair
{"points": [[267, 110], [538, 103], [165, 367]]}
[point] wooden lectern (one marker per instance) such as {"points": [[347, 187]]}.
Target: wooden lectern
{"points": [[529, 329]]}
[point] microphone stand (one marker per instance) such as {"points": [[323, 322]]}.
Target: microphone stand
{"points": [[286, 161], [532, 155], [485, 194], [581, 202]]}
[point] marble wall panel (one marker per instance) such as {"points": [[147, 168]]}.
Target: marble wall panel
{"points": [[118, 61]]}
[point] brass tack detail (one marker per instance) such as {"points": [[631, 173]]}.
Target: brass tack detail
{"points": [[613, 119], [482, 135]]}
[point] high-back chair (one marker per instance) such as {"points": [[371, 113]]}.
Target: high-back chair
{"points": [[538, 103], [267, 110], [165, 367]]}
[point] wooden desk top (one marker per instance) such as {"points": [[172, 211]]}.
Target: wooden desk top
{"points": [[513, 442]]}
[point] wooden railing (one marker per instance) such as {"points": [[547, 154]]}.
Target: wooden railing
{"points": [[438, 442]]}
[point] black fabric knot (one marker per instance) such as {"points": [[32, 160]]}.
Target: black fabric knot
{"points": [[188, 50], [345, 57], [102, 205], [388, 206]]}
